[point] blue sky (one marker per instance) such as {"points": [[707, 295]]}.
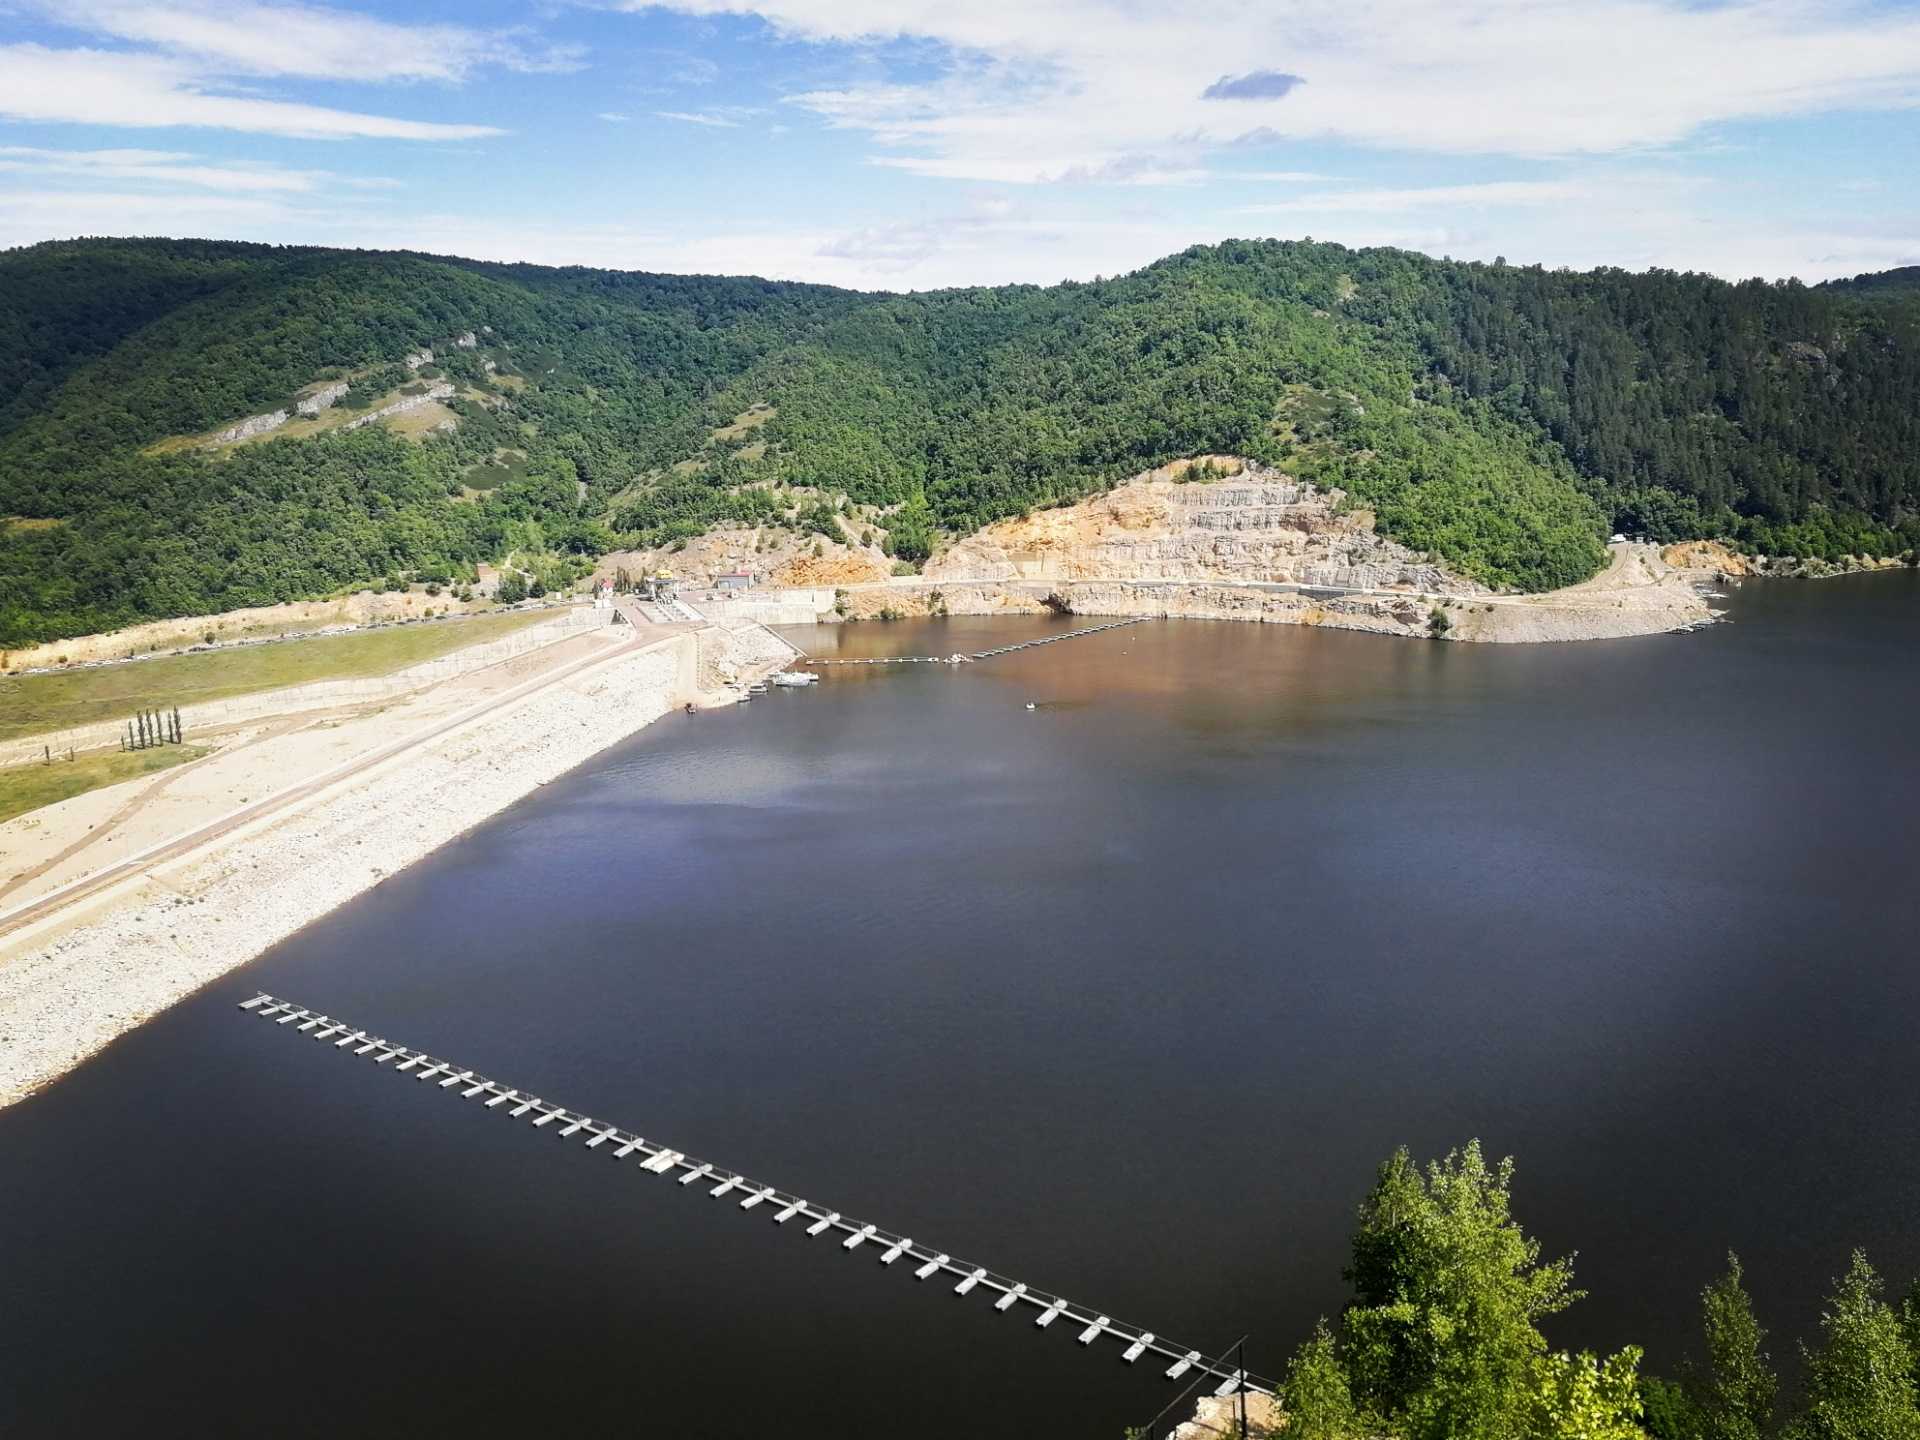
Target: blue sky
{"points": [[920, 143]]}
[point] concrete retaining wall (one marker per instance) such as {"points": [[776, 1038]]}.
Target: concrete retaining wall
{"points": [[784, 607]]}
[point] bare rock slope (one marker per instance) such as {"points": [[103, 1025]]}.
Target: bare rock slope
{"points": [[1258, 526], [1261, 545]]}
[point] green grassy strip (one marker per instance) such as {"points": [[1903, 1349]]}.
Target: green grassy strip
{"points": [[39, 704], [28, 787]]}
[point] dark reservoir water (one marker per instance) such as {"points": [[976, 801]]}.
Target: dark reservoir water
{"points": [[1124, 996]]}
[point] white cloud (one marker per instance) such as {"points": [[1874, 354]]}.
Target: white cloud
{"points": [[1634, 221], [305, 40], [100, 87], [1033, 90], [1426, 197], [33, 215], [724, 118], [1090, 112], [1132, 170], [172, 168], [679, 67]]}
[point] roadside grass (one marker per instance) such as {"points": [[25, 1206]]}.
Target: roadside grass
{"points": [[28, 787], [41, 704]]}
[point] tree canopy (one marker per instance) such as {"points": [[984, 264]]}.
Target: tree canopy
{"points": [[1500, 417], [1443, 1337]]}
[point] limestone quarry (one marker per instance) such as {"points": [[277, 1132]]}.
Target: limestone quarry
{"points": [[1263, 546], [1216, 538], [1260, 526]]}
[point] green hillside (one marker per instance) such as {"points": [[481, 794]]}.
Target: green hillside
{"points": [[1882, 284], [1499, 416]]}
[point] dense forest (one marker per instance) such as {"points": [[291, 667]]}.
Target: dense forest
{"points": [[1503, 417], [1441, 1340], [1903, 283]]}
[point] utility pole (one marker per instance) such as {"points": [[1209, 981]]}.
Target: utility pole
{"points": [[1240, 1369]]}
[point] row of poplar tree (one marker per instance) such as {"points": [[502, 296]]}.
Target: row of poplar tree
{"points": [[152, 727]]}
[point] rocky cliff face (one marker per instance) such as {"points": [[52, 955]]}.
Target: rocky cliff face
{"points": [[439, 390], [321, 399], [1258, 526], [253, 425]]}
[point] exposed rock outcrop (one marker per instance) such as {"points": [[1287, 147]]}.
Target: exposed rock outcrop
{"points": [[439, 390], [422, 356], [1260, 526], [321, 399], [253, 425], [1262, 546], [1218, 1418], [467, 341]]}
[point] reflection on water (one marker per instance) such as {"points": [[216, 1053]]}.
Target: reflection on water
{"points": [[1124, 995]]}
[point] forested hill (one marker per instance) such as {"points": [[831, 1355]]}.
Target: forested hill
{"points": [[1502, 417], [1903, 283]]}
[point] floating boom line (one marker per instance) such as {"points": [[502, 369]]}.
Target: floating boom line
{"points": [[1087, 1323], [960, 657]]}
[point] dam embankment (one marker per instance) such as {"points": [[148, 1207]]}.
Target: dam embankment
{"points": [[84, 972]]}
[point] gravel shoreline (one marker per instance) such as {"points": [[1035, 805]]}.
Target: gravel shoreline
{"points": [[193, 920]]}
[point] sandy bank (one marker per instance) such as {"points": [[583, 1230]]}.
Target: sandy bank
{"points": [[72, 981]]}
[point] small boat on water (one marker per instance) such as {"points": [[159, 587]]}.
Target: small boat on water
{"points": [[756, 688], [794, 679]]}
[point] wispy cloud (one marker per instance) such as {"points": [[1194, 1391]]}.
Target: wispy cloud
{"points": [[1086, 82], [1131, 170], [726, 118], [680, 67], [101, 87], [200, 63], [308, 40], [1254, 85], [1426, 197], [168, 168]]}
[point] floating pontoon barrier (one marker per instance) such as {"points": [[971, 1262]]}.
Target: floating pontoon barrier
{"points": [[660, 1160], [981, 654]]}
